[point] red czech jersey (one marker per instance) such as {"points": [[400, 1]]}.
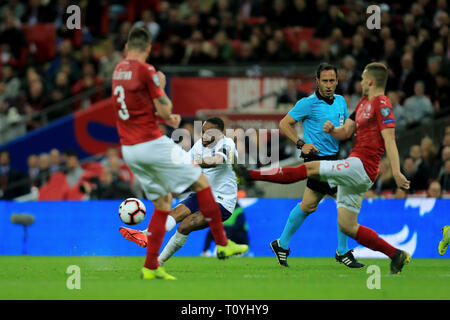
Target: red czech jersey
{"points": [[371, 118], [134, 86]]}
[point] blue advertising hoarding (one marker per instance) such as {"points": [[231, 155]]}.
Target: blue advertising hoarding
{"points": [[92, 228]]}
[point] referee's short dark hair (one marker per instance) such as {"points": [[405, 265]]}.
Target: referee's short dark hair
{"points": [[325, 66], [139, 38], [217, 122]]}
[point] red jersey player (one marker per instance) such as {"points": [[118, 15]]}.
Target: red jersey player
{"points": [[374, 125], [159, 164]]}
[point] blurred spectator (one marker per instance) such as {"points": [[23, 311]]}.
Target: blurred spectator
{"points": [[337, 43], [392, 56], [13, 37], [355, 96], [39, 11], [430, 164], [385, 180], [304, 52], [55, 161], [400, 113], [334, 18], [324, 52], [408, 75], [195, 53], [359, 52], [33, 168], [444, 176], [44, 170], [109, 60], [434, 190], [273, 52], [86, 56], [89, 80], [122, 37], [109, 186], [247, 55], [292, 93], [9, 84], [36, 102], [418, 107], [13, 183], [224, 45], [277, 13], [13, 6], [298, 12], [148, 21], [110, 153], [73, 169], [442, 93], [283, 46]]}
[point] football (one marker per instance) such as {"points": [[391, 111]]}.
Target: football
{"points": [[132, 211]]}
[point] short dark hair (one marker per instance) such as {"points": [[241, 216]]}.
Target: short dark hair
{"points": [[379, 71], [217, 122], [139, 38], [325, 66]]}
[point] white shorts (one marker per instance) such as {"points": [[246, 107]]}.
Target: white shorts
{"points": [[161, 166], [351, 180]]}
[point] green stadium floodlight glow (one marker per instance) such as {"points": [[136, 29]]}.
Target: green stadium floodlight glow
{"points": [[24, 219]]}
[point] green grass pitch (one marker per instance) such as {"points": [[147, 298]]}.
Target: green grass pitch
{"points": [[29, 277]]}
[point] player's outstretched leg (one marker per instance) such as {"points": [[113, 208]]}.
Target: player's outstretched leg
{"points": [[370, 239], [137, 236], [367, 237], [282, 175], [443, 244]]}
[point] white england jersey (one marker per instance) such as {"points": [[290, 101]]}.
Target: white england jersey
{"points": [[221, 178]]}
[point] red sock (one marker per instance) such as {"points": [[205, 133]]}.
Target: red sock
{"points": [[210, 210], [370, 239], [283, 175], [155, 235]]}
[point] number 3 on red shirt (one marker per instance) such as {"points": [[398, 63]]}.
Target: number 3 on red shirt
{"points": [[123, 111], [345, 164]]}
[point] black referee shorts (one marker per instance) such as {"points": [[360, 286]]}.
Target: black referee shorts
{"points": [[316, 185]]}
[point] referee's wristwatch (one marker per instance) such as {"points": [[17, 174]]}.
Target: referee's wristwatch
{"points": [[300, 143]]}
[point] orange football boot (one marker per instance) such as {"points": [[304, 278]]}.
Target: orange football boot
{"points": [[136, 236]]}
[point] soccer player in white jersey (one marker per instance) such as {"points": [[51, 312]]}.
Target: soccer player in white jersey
{"points": [[139, 102], [214, 153]]}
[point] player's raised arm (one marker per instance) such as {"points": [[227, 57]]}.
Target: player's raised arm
{"points": [[388, 135], [162, 104], [340, 133]]}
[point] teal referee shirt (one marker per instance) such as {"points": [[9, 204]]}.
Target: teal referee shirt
{"points": [[313, 112]]}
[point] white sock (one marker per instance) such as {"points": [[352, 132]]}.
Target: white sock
{"points": [[174, 244], [170, 223]]}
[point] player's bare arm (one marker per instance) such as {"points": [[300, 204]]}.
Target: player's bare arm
{"points": [[287, 126], [211, 162], [163, 107], [340, 133], [393, 157]]}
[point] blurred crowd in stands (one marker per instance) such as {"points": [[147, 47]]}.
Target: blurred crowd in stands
{"points": [[427, 166], [61, 176], [42, 62]]}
